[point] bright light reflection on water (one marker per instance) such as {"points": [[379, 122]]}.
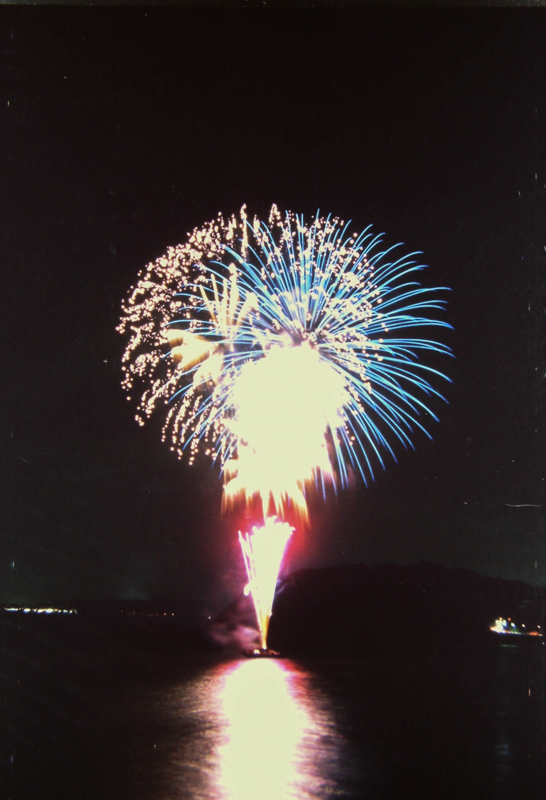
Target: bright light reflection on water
{"points": [[260, 731]]}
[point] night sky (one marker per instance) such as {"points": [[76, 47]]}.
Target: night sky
{"points": [[124, 129]]}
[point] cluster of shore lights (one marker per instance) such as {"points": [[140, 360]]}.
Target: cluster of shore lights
{"points": [[29, 610], [507, 626]]}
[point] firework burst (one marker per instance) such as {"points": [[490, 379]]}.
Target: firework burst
{"points": [[287, 353], [247, 330]]}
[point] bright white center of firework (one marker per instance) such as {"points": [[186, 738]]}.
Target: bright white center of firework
{"points": [[285, 402]]}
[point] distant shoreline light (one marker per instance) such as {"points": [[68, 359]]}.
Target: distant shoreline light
{"points": [[31, 610]]}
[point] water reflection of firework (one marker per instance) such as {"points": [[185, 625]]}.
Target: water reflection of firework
{"points": [[263, 729], [282, 353]]}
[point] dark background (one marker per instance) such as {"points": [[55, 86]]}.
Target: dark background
{"points": [[122, 129]]}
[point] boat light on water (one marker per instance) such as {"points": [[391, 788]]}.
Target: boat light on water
{"points": [[507, 626]]}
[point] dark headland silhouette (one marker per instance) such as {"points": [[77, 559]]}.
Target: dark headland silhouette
{"points": [[352, 607], [346, 609]]}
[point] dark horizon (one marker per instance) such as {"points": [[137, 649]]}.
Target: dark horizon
{"points": [[126, 129]]}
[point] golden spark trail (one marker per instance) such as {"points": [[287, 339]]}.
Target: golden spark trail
{"points": [[263, 551]]}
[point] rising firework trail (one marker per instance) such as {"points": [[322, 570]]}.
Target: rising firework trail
{"points": [[289, 354], [263, 551]]}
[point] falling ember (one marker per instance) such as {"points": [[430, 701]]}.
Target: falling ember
{"points": [[288, 354], [263, 551]]}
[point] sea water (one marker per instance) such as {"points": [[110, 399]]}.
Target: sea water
{"points": [[101, 720]]}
